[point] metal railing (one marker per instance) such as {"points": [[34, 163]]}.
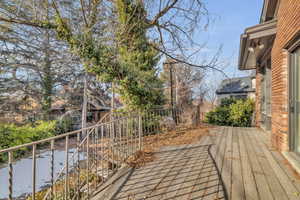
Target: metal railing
{"points": [[93, 154]]}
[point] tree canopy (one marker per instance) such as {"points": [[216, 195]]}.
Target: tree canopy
{"points": [[120, 41]]}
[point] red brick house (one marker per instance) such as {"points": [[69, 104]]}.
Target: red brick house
{"points": [[272, 48]]}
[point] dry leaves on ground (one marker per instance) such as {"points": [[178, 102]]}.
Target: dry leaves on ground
{"points": [[153, 143]]}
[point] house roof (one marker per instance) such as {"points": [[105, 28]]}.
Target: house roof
{"points": [[236, 85]]}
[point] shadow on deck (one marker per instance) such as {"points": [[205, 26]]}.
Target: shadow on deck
{"points": [[230, 163], [178, 172]]}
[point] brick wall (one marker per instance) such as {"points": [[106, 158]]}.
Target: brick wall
{"points": [[287, 27], [258, 97]]}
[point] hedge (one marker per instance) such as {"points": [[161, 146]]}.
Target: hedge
{"points": [[232, 112], [13, 135]]}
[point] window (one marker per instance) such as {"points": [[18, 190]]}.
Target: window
{"points": [[294, 100], [266, 89], [241, 96]]}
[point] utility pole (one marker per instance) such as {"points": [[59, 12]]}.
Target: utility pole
{"points": [[112, 104], [84, 107], [172, 93], [176, 87], [171, 85]]}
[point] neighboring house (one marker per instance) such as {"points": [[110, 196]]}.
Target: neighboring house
{"points": [[240, 88], [22, 106], [272, 48]]}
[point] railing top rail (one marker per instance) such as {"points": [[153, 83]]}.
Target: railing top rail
{"points": [[59, 136]]}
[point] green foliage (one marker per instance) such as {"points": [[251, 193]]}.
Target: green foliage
{"points": [[12, 135], [228, 101], [218, 116], [64, 125], [47, 90], [232, 112], [241, 113], [131, 65], [141, 89]]}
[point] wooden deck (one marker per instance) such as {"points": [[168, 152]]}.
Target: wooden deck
{"points": [[230, 163]]}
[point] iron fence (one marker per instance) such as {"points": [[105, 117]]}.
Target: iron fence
{"points": [[93, 154]]}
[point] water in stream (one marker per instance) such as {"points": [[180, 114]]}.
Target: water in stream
{"points": [[22, 173]]}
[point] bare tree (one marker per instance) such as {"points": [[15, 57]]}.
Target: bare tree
{"points": [[35, 65], [187, 82], [212, 86], [90, 28], [170, 23]]}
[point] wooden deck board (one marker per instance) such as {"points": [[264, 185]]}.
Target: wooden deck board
{"points": [[220, 163], [226, 172], [162, 177], [183, 173], [186, 187], [281, 161], [238, 191], [260, 179], [213, 181], [141, 179], [249, 183], [231, 163], [289, 187], [211, 191], [273, 184]]}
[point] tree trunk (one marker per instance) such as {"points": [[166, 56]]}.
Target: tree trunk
{"points": [[47, 81]]}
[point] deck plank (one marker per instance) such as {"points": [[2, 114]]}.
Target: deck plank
{"points": [[226, 172], [291, 173], [200, 186], [251, 192], [222, 193], [285, 182], [281, 161], [175, 185], [248, 169], [219, 155], [213, 179], [141, 181], [185, 171], [187, 187], [178, 161], [260, 179], [238, 191], [276, 189]]}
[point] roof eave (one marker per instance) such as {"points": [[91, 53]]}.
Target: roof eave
{"points": [[253, 33], [236, 92]]}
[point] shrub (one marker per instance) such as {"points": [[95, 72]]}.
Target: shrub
{"points": [[232, 112], [12, 135], [241, 113], [228, 101], [64, 125], [218, 116]]}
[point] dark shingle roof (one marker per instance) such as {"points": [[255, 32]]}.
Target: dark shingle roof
{"points": [[236, 85]]}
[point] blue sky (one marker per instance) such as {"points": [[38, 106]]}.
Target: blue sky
{"points": [[231, 17]]}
